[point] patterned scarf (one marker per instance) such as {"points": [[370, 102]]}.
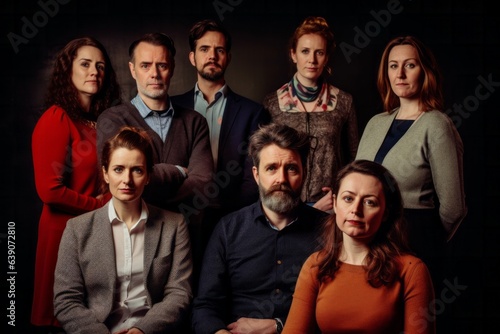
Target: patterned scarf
{"points": [[305, 94]]}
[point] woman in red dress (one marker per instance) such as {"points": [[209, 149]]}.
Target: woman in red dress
{"points": [[67, 177]]}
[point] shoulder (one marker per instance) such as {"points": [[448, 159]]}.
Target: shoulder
{"points": [[436, 117], [184, 98], [309, 212], [54, 114], [159, 214], [120, 111], [245, 101], [411, 265], [186, 113], [84, 221]]}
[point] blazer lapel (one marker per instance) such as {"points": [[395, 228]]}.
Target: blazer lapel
{"points": [[230, 114], [106, 263], [152, 237]]}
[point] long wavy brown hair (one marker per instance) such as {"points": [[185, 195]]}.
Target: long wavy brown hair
{"points": [[390, 240], [431, 91], [63, 93]]}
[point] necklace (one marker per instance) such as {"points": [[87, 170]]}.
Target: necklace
{"points": [[89, 123]]}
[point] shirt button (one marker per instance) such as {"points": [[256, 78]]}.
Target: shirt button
{"points": [[279, 262]]}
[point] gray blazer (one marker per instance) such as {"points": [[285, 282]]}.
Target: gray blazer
{"points": [[85, 274]]}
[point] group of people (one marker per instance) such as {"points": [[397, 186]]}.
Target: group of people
{"points": [[207, 212]]}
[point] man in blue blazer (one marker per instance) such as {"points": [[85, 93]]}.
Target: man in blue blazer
{"points": [[231, 120]]}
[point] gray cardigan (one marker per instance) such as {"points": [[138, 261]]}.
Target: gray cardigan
{"points": [[427, 163], [85, 274]]}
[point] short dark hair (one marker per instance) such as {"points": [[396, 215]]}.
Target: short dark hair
{"points": [[201, 27], [155, 38], [281, 135]]}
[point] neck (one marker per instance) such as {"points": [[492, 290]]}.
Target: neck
{"points": [[409, 109], [128, 212], [209, 88], [155, 104], [353, 251]]}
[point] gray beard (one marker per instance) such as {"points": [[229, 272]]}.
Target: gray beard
{"points": [[279, 202]]}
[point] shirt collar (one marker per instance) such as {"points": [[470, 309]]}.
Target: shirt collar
{"points": [[223, 91], [145, 111], [261, 216], [113, 216]]}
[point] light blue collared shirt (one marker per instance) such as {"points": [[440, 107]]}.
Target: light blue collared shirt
{"points": [[158, 120], [213, 112]]}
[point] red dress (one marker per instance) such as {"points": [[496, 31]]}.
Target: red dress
{"points": [[67, 181]]}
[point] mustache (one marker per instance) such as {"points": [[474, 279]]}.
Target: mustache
{"points": [[280, 187], [212, 63]]}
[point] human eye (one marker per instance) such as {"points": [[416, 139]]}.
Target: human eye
{"points": [[138, 170], [370, 202], [100, 67], [393, 66], [347, 198], [293, 169], [84, 64], [320, 53], [118, 170], [411, 65], [144, 66], [203, 49], [270, 168], [305, 51]]}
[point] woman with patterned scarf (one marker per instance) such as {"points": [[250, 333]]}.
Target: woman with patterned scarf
{"points": [[310, 104]]}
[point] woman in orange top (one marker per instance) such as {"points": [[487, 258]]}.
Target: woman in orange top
{"points": [[363, 279], [82, 85]]}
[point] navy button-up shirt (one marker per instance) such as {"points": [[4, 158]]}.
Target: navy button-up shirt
{"points": [[250, 269]]}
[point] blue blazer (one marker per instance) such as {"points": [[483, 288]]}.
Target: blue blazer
{"points": [[234, 178]]}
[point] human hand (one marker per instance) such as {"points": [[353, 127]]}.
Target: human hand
{"points": [[252, 326], [223, 331], [325, 203]]}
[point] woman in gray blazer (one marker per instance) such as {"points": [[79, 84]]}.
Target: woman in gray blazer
{"points": [[126, 267]]}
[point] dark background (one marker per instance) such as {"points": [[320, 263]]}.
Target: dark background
{"points": [[463, 35]]}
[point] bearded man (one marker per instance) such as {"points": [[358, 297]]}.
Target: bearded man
{"points": [[254, 255]]}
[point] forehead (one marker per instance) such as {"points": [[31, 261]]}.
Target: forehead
{"points": [[362, 184], [212, 37], [273, 154], [123, 155], [89, 52], [403, 52], [311, 41], [148, 52]]}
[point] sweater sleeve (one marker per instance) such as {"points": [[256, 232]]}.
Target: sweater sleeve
{"points": [[51, 149], [418, 300], [302, 315], [446, 163]]}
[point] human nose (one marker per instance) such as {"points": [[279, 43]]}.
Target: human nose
{"points": [[154, 72], [281, 176], [211, 54], [126, 177], [356, 208], [400, 72]]}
